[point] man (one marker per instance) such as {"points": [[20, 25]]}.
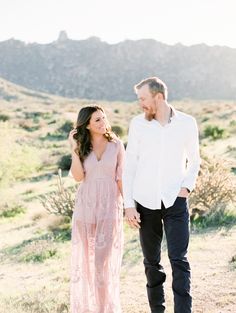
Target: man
{"points": [[162, 164]]}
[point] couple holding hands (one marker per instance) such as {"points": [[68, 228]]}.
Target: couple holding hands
{"points": [[151, 180]]}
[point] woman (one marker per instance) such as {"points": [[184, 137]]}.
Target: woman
{"points": [[97, 234]]}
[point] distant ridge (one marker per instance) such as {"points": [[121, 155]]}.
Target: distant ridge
{"points": [[94, 69]]}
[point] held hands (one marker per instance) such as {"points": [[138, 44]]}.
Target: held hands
{"points": [[132, 217], [72, 141]]}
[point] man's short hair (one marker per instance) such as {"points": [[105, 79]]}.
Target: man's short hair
{"points": [[155, 84]]}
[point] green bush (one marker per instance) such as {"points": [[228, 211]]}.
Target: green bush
{"points": [[36, 115], [65, 162], [39, 257], [11, 211], [118, 130], [216, 218], [32, 250], [214, 132], [62, 232], [4, 117], [66, 127]]}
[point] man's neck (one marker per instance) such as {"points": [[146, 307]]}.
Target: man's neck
{"points": [[163, 113]]}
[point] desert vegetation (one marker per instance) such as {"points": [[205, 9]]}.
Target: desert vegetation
{"points": [[36, 203]]}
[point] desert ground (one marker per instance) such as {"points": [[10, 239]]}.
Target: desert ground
{"points": [[35, 245]]}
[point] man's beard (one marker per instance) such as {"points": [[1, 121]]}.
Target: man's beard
{"points": [[150, 115]]}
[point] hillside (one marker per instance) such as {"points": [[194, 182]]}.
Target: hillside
{"points": [[94, 69]]}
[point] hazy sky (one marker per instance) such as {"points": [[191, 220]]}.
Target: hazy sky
{"points": [[170, 21]]}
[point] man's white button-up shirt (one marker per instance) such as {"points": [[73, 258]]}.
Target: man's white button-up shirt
{"points": [[160, 160]]}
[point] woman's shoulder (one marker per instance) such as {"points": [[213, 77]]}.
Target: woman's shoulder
{"points": [[117, 142]]}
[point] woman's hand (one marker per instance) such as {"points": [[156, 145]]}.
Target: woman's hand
{"points": [[132, 217], [72, 141]]}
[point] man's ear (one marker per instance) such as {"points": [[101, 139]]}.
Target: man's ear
{"points": [[160, 96]]}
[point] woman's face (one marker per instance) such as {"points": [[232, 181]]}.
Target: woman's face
{"points": [[98, 123]]}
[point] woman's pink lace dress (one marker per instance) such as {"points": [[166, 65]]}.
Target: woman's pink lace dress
{"points": [[97, 234]]}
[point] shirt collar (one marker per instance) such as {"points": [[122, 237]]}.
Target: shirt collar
{"points": [[174, 112]]}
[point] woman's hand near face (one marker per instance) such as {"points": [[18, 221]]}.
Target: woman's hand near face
{"points": [[72, 141], [76, 168]]}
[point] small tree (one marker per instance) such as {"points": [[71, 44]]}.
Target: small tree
{"points": [[60, 202]]}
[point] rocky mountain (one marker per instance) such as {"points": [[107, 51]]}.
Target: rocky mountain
{"points": [[94, 69]]}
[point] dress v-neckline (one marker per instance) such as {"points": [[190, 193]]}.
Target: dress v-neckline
{"points": [[101, 157]]}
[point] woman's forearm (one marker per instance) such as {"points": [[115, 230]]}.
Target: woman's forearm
{"points": [[76, 169]]}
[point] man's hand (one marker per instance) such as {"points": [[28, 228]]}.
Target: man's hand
{"points": [[132, 217], [183, 192]]}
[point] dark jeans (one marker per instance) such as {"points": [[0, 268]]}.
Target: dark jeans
{"points": [[176, 226]]}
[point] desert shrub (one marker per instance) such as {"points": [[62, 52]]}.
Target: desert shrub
{"points": [[4, 117], [65, 162], [214, 132], [37, 249], [39, 254], [61, 133], [36, 115], [11, 211], [66, 127], [233, 262], [29, 125], [214, 191], [118, 130], [61, 231], [60, 202], [33, 115]]}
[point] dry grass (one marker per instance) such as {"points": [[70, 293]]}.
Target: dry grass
{"points": [[44, 287]]}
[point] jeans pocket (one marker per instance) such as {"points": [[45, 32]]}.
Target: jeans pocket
{"points": [[181, 203]]}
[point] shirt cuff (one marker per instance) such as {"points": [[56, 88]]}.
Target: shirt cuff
{"points": [[187, 189], [129, 204]]}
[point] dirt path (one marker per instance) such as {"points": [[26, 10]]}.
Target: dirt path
{"points": [[213, 276]]}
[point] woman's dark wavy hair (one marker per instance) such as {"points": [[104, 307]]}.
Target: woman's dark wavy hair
{"points": [[83, 137]]}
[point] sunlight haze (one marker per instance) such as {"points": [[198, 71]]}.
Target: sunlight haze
{"points": [[186, 21]]}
